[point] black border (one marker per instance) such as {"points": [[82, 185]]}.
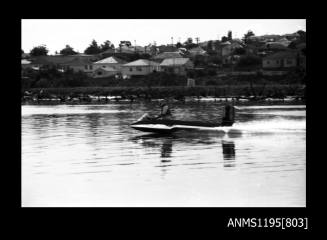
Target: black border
{"points": [[194, 218]]}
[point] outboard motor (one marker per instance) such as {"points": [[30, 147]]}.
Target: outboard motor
{"points": [[229, 116]]}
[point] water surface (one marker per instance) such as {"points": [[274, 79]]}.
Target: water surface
{"points": [[87, 155]]}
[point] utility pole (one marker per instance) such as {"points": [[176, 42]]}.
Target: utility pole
{"points": [[197, 40], [134, 45], [172, 41]]}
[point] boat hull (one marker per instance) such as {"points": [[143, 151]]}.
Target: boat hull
{"points": [[168, 126]]}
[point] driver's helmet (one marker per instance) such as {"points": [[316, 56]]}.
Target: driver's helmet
{"points": [[162, 103]]}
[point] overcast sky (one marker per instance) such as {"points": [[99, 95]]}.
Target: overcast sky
{"points": [[55, 34]]}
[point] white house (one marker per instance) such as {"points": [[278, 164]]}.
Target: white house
{"points": [[26, 63], [197, 51], [139, 67], [110, 63]]}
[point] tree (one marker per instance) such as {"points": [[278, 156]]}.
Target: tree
{"points": [[93, 48], [179, 45], [224, 39], [209, 46], [246, 38], [302, 35], [292, 45], [189, 43], [39, 51], [107, 45], [239, 51], [229, 35], [22, 51], [68, 50]]}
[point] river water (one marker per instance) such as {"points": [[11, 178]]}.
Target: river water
{"points": [[87, 155]]}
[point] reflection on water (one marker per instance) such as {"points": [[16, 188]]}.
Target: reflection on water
{"points": [[89, 156], [228, 153]]}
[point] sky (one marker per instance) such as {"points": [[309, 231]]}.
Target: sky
{"points": [[78, 33]]}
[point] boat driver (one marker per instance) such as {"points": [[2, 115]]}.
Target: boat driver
{"points": [[165, 111]]}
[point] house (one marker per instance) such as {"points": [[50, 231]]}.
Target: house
{"points": [[165, 55], [276, 46], [176, 65], [41, 61], [228, 48], [26, 64], [139, 67], [105, 72], [109, 62], [284, 59], [58, 61], [284, 41], [226, 51], [292, 36], [80, 64], [197, 51]]}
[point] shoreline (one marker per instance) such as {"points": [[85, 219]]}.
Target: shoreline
{"points": [[290, 100], [103, 95]]}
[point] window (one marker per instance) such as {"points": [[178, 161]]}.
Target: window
{"points": [[289, 61], [268, 62], [103, 66], [277, 61], [139, 69], [85, 66], [91, 67], [131, 69]]}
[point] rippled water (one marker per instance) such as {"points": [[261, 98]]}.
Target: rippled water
{"points": [[87, 155]]}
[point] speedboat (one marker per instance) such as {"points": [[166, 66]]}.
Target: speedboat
{"points": [[159, 125]]}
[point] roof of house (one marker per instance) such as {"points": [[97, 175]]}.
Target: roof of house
{"points": [[141, 62], [110, 60], [24, 61], [44, 60], [174, 61], [77, 61], [197, 49], [283, 55], [276, 45], [57, 59], [165, 55]]}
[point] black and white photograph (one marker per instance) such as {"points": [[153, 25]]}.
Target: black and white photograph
{"points": [[163, 113]]}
